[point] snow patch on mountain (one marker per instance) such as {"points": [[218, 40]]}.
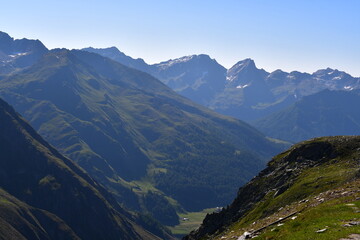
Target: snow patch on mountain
{"points": [[243, 86], [18, 54], [349, 88], [171, 62]]}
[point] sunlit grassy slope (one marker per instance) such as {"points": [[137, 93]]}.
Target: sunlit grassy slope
{"points": [[317, 181]]}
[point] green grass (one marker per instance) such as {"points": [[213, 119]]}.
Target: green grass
{"points": [[143, 187], [338, 174], [332, 216], [312, 181], [195, 220], [4, 201]]}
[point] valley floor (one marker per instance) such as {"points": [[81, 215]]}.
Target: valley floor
{"points": [[189, 221]]}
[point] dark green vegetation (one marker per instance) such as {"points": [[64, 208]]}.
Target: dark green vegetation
{"points": [[328, 113], [133, 134], [44, 195], [243, 91], [318, 180]]}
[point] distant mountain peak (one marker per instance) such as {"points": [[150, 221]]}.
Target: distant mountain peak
{"points": [[276, 78], [190, 57], [16, 54], [172, 62], [324, 71], [298, 75], [245, 71], [4, 35], [202, 58], [110, 50], [245, 65], [115, 54], [113, 48], [278, 73]]}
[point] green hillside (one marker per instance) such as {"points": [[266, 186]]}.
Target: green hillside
{"points": [[311, 187], [47, 196]]}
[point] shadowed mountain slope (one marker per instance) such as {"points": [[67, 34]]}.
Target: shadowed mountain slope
{"points": [[51, 197], [327, 113]]}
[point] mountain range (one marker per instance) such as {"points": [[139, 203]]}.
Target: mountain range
{"points": [[243, 91], [127, 142], [136, 136], [327, 113]]}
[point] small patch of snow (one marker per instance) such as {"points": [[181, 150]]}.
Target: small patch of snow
{"points": [[18, 54], [231, 78], [348, 88], [171, 62], [242, 86]]}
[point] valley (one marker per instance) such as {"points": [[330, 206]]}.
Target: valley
{"points": [[160, 151], [157, 152]]}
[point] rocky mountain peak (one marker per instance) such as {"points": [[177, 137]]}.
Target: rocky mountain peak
{"points": [[278, 73], [4, 35], [245, 73], [110, 51], [115, 54], [324, 72], [191, 59], [241, 66]]}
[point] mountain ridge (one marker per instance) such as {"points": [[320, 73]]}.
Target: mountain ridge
{"points": [[327, 113], [244, 91]]}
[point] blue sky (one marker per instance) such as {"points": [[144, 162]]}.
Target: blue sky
{"points": [[303, 35]]}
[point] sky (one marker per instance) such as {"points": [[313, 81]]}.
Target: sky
{"points": [[303, 35]]}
